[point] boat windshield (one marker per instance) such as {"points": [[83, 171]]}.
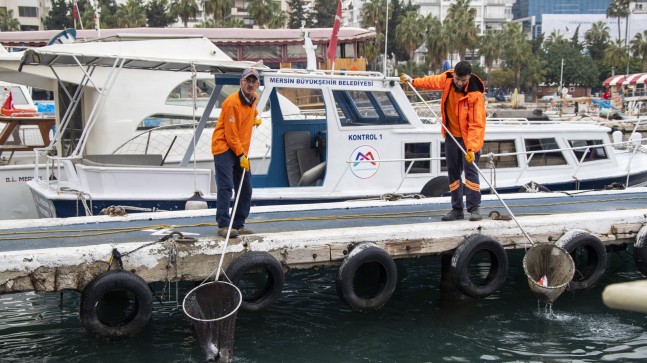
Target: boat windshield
{"points": [[368, 108]]}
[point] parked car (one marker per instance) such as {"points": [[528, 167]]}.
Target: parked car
{"points": [[554, 96]]}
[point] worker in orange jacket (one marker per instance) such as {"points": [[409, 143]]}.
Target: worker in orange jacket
{"points": [[462, 109], [230, 148]]}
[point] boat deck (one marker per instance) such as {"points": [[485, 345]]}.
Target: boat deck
{"points": [[85, 231], [55, 254]]}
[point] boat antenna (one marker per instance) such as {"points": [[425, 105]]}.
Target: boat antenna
{"points": [[196, 201], [386, 33]]}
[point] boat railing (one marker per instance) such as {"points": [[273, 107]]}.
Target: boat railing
{"points": [[336, 72], [634, 144]]}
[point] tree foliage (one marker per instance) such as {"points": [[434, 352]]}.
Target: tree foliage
{"points": [[59, 16], [299, 16], [158, 14], [325, 10]]}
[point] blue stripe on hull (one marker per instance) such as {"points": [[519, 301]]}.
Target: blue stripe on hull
{"points": [[66, 208]]}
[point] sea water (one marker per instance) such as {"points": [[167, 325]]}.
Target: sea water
{"points": [[309, 323]]}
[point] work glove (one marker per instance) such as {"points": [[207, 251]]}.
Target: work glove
{"points": [[405, 78], [258, 121], [244, 162], [469, 156]]}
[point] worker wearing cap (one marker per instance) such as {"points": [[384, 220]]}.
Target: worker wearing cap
{"points": [[230, 148]]}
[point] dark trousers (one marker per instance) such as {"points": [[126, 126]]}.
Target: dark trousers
{"points": [[456, 164], [228, 174]]}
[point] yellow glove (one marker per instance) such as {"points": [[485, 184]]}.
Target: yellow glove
{"points": [[405, 78], [244, 162], [258, 121], [469, 156]]}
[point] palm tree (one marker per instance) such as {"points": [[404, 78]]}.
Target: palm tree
{"points": [[261, 11], [616, 55], [233, 22], [410, 33], [490, 47], [555, 37], [437, 44], [639, 48], [219, 9], [596, 39], [619, 9], [7, 21], [185, 9], [132, 14], [372, 50], [516, 49], [373, 13], [464, 32]]}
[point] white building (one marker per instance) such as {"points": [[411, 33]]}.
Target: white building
{"points": [[29, 13]]}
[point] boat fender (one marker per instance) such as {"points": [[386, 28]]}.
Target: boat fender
{"points": [[589, 255], [107, 290], [255, 261], [377, 271], [461, 261], [640, 250], [436, 187]]}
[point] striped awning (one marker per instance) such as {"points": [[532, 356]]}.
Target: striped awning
{"points": [[635, 78]]}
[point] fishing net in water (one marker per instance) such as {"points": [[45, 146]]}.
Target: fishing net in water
{"points": [[549, 270], [212, 308]]}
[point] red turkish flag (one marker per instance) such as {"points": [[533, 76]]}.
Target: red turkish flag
{"points": [[332, 47]]}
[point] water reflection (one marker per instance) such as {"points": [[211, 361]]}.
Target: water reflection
{"points": [[310, 323]]}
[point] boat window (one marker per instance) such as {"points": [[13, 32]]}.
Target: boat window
{"points": [[301, 103], [420, 150], [491, 146], [592, 154], [182, 95], [367, 108], [177, 121], [543, 156], [499, 147]]}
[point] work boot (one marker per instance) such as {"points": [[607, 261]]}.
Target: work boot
{"points": [[453, 215], [243, 230], [222, 232], [475, 215]]}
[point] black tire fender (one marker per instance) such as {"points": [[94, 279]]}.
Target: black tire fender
{"points": [[436, 187], [640, 250], [460, 266], [588, 270], [375, 262], [116, 281], [255, 261]]}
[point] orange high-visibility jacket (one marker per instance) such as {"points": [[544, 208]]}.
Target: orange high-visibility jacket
{"points": [[234, 128], [471, 107]]}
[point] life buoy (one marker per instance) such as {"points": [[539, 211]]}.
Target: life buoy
{"points": [[640, 250], [15, 112], [116, 303], [461, 266], [255, 261], [378, 275], [589, 255]]}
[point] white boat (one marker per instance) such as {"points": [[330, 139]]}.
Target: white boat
{"points": [[344, 135], [22, 129], [137, 102]]}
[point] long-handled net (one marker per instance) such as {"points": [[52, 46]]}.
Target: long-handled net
{"points": [[549, 270], [212, 307]]}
